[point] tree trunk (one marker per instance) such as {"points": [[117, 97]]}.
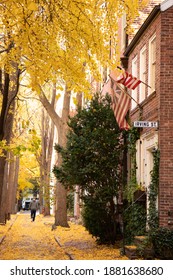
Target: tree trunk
{"points": [[5, 92], [44, 175], [41, 187], [10, 182], [4, 105], [2, 190], [12, 171], [9, 90], [47, 149], [4, 208], [61, 126], [77, 189], [61, 193], [15, 185]]}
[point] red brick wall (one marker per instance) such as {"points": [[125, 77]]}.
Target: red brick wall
{"points": [[166, 118], [150, 104], [142, 16], [159, 106]]}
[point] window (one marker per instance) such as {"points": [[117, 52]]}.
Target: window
{"points": [[143, 72], [134, 92], [152, 63]]}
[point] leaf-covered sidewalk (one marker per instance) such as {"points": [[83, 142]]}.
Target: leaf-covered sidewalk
{"points": [[26, 240]]}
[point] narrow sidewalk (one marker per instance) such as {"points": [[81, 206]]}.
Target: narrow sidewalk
{"points": [[26, 240], [39, 241]]}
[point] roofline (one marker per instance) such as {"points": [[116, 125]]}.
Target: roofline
{"points": [[166, 5], [143, 27]]}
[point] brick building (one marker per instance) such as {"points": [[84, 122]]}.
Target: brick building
{"points": [[149, 56]]}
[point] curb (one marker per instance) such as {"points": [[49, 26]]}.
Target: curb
{"points": [[3, 237], [68, 254]]}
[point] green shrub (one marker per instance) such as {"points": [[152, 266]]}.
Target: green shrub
{"points": [[135, 221], [162, 239], [99, 220], [153, 219], [92, 159]]}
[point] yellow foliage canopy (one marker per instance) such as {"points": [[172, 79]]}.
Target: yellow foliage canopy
{"points": [[61, 38], [28, 169]]}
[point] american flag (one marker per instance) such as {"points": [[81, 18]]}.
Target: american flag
{"points": [[120, 103], [120, 107], [128, 80]]}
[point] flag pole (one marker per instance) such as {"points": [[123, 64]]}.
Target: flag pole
{"points": [[140, 80]]}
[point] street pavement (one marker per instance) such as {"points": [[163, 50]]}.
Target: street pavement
{"points": [[27, 240]]}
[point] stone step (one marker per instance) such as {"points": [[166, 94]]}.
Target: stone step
{"points": [[131, 252], [138, 240], [143, 248], [140, 249]]}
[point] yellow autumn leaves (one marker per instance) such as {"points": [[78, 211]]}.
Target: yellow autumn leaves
{"points": [[51, 39], [28, 240], [82, 246]]}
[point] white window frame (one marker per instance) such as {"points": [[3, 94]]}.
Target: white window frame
{"points": [[152, 64], [143, 73], [134, 73]]}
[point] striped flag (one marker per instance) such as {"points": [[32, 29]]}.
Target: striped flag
{"points": [[128, 80], [120, 103], [120, 107]]}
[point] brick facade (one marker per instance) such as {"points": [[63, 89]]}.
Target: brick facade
{"points": [[150, 104], [158, 105], [165, 91], [142, 16]]}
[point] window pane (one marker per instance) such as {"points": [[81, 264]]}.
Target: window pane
{"points": [[152, 63], [134, 73], [142, 74]]}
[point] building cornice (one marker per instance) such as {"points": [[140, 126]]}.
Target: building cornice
{"points": [[166, 5]]}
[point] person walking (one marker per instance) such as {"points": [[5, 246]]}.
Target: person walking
{"points": [[33, 208]]}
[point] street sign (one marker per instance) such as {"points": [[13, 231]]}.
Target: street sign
{"points": [[145, 124]]}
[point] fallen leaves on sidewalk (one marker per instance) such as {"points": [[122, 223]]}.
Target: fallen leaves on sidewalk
{"points": [[28, 240], [4, 228], [82, 246]]}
